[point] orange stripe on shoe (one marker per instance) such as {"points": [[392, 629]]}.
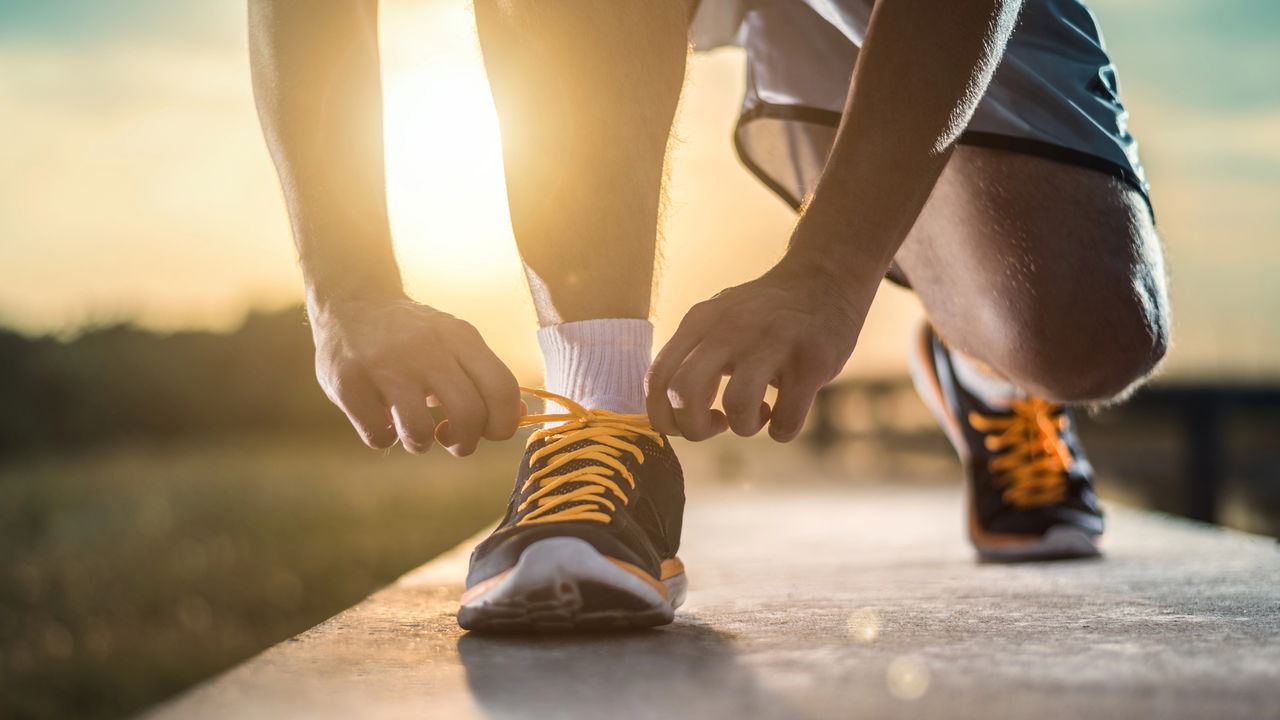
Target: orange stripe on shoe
{"points": [[671, 568], [638, 572], [475, 591], [926, 354]]}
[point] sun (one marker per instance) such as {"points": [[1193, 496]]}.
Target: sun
{"points": [[445, 185]]}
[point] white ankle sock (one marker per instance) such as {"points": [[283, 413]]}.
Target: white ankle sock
{"points": [[986, 384], [599, 364]]}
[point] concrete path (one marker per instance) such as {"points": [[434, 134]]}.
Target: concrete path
{"points": [[821, 603]]}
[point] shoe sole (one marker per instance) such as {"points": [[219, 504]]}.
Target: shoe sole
{"points": [[565, 585], [1060, 542]]}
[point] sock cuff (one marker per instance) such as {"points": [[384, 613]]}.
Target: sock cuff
{"points": [[989, 386], [598, 363], [606, 332]]}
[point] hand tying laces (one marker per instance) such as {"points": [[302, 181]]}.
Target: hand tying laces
{"points": [[611, 437]]}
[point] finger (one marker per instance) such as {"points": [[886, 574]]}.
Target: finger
{"points": [[360, 402], [744, 403], [464, 409], [498, 390], [692, 391], [795, 397], [434, 402], [658, 379], [412, 419]]}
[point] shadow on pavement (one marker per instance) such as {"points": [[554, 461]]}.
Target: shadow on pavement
{"points": [[683, 670]]}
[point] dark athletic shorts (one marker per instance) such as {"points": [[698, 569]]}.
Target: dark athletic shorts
{"points": [[1055, 93]]}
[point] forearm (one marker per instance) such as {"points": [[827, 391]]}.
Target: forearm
{"points": [[922, 69], [316, 78]]}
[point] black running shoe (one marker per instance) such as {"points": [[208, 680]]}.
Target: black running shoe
{"points": [[1031, 491], [591, 531]]}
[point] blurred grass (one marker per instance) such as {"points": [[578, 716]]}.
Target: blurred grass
{"points": [[129, 572]]}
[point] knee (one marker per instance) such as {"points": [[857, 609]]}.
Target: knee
{"points": [[1106, 369], [1087, 355]]}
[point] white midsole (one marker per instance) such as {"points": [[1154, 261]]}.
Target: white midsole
{"points": [[1060, 540], [567, 561]]}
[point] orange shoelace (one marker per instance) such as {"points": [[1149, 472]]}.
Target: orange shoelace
{"points": [[610, 434], [1033, 462]]}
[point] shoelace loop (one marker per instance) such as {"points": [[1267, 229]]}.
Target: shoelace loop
{"points": [[610, 434], [1033, 461]]}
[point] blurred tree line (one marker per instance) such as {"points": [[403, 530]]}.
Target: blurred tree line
{"points": [[122, 382], [172, 503]]}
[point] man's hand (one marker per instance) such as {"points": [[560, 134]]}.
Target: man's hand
{"points": [[385, 362], [380, 357], [796, 326], [788, 329]]}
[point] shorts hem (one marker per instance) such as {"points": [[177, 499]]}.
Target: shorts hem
{"points": [[1053, 151], [996, 141]]}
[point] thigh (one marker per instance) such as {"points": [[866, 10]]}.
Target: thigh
{"points": [[1037, 266]]}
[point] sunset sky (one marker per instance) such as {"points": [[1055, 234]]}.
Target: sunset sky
{"points": [[134, 183]]}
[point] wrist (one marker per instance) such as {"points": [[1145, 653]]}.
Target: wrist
{"points": [[344, 264], [324, 298], [850, 282]]}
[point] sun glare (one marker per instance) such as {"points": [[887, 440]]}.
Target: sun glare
{"points": [[444, 163]]}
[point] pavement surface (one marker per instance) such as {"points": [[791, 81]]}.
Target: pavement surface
{"points": [[821, 603]]}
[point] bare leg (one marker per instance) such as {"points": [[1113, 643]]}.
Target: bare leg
{"points": [[1050, 273], [586, 92]]}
